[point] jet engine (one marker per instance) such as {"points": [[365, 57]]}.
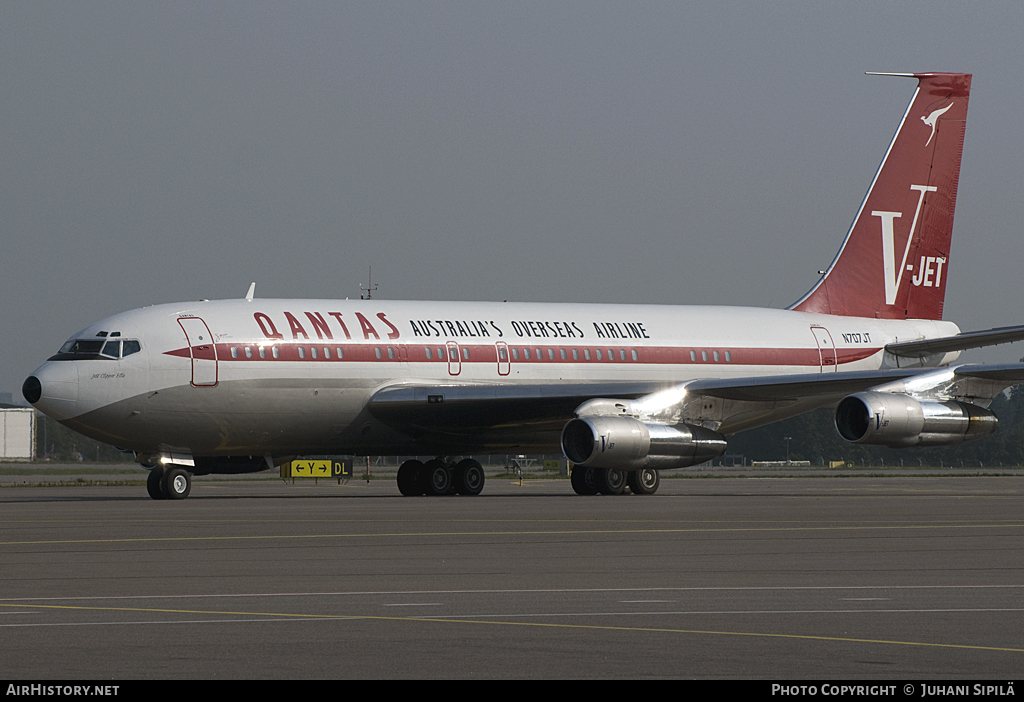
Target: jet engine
{"points": [[899, 421], [624, 443]]}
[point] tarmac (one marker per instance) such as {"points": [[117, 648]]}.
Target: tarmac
{"points": [[880, 578]]}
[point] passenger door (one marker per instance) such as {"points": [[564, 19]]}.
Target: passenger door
{"points": [[826, 349], [202, 350]]}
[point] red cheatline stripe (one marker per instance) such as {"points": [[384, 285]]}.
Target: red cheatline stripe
{"points": [[488, 353]]}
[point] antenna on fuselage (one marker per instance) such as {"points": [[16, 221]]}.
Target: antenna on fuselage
{"points": [[252, 291], [370, 287]]}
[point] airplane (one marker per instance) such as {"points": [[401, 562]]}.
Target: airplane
{"points": [[623, 390]]}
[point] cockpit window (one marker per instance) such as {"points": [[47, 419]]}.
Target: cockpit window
{"points": [[86, 349], [82, 347]]}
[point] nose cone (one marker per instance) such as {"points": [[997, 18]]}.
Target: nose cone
{"points": [[32, 389], [53, 389]]}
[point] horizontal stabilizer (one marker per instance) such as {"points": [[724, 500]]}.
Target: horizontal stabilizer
{"points": [[965, 340]]}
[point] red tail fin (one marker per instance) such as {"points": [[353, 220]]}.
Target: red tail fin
{"points": [[895, 260]]}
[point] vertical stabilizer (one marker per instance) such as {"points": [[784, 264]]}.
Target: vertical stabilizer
{"points": [[895, 260]]}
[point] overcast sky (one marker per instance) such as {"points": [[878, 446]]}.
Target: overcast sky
{"points": [[681, 152]]}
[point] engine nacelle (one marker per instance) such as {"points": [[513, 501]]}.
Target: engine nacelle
{"points": [[899, 421], [625, 443]]}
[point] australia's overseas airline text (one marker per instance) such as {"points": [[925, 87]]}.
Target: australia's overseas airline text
{"points": [[326, 325]]}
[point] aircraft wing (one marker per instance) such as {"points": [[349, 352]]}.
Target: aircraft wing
{"points": [[964, 340], [463, 408], [727, 404]]}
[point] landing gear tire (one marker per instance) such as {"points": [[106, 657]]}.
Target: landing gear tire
{"points": [[177, 483], [610, 481], [469, 477], [435, 477], [583, 481], [644, 481], [153, 483], [409, 478]]}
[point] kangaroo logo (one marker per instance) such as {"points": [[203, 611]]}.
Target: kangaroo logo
{"points": [[892, 281], [932, 119]]}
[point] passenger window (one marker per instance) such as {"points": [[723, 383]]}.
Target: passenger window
{"points": [[429, 355], [376, 350], [526, 354], [611, 354], [302, 352], [586, 354], [276, 352], [703, 355], [575, 354], [515, 354], [728, 357], [341, 352], [391, 352], [502, 354], [263, 351], [112, 349], [540, 354], [465, 354], [312, 350], [635, 357], [693, 355], [622, 354], [598, 351], [327, 351], [440, 353], [130, 347], [716, 356], [248, 352]]}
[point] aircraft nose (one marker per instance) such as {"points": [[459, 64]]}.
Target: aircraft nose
{"points": [[53, 389]]}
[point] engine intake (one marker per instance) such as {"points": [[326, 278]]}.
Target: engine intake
{"points": [[625, 443], [899, 421]]}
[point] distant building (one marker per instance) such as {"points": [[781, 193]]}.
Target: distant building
{"points": [[17, 434]]}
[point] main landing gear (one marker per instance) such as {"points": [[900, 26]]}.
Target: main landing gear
{"points": [[608, 481], [169, 483], [437, 477]]}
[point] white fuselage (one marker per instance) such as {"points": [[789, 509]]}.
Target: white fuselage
{"points": [[235, 377]]}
